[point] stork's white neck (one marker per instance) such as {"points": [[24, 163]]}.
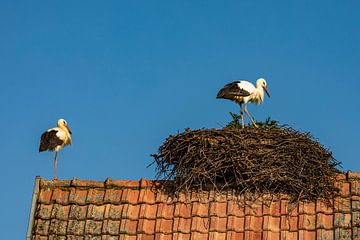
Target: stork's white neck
{"points": [[259, 93]]}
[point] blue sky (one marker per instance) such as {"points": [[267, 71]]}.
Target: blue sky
{"points": [[126, 74]]}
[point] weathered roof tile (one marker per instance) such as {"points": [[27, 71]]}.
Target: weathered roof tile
{"points": [[122, 209]]}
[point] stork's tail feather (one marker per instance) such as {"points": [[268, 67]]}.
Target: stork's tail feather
{"points": [[221, 94]]}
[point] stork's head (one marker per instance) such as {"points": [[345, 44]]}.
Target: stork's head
{"points": [[262, 83], [63, 124]]}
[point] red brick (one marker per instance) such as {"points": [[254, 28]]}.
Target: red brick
{"points": [[182, 210], [289, 235], [60, 196], [355, 205], [253, 223], [355, 187], [218, 209], [232, 235], [182, 225], [356, 219], [217, 236], [56, 237], [122, 236], [95, 196], [88, 183], [111, 227], [340, 176], [44, 211], [164, 226], [37, 237], [45, 196], [236, 223], [78, 212], [93, 227], [115, 212], [75, 227], [293, 223], [285, 223], [342, 205], [249, 235], [58, 227], [271, 223], [342, 220], [163, 197], [200, 209], [78, 196], [344, 188], [218, 224], [307, 208], [254, 209], [284, 207], [273, 210], [131, 211], [42, 227], [323, 234], [128, 226], [148, 211], [60, 212], [181, 236], [73, 237], [201, 197], [113, 196], [162, 236], [145, 237], [268, 235], [235, 209], [341, 233], [324, 221], [199, 236], [165, 211], [96, 212], [147, 196], [307, 222], [130, 196], [306, 235], [125, 183], [200, 225], [146, 226], [323, 207], [356, 233]]}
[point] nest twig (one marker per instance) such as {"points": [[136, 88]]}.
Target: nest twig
{"points": [[274, 160]]}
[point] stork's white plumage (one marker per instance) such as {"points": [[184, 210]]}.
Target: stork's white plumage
{"points": [[55, 139], [243, 92]]}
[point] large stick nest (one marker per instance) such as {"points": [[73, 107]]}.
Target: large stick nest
{"points": [[250, 161]]}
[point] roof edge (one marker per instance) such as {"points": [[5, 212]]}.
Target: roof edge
{"points": [[108, 183], [137, 184], [33, 207]]}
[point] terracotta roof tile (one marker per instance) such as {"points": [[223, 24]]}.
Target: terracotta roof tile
{"points": [[122, 209]]}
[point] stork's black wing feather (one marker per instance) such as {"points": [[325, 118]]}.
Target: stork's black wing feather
{"points": [[49, 141], [232, 89]]}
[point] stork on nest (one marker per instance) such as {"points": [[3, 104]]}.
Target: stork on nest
{"points": [[243, 92], [55, 139]]}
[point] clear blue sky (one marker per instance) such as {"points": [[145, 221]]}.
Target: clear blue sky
{"points": [[126, 74]]}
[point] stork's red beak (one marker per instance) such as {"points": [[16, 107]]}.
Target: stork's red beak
{"points": [[267, 91]]}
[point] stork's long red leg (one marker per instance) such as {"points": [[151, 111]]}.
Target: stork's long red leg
{"points": [[242, 117], [55, 160], [252, 120]]}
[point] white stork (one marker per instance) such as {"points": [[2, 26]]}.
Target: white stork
{"points": [[242, 92], [55, 139]]}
